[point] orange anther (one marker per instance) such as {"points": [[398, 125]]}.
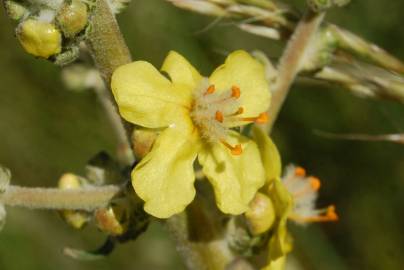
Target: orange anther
{"points": [[211, 89], [262, 118], [314, 183], [299, 171], [331, 214], [219, 116], [235, 91], [235, 150]]}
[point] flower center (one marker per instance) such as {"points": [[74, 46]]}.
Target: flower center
{"points": [[214, 112]]}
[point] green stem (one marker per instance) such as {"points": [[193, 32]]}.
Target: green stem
{"points": [[54, 198], [292, 60]]}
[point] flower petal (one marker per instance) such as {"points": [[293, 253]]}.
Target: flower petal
{"points": [[235, 179], [181, 71], [242, 70], [146, 98], [164, 178], [280, 243], [269, 154], [278, 264]]}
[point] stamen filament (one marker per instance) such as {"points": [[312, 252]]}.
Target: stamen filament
{"points": [[329, 216], [260, 119]]}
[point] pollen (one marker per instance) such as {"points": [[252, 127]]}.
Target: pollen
{"points": [[219, 116], [235, 91], [315, 183], [299, 171]]}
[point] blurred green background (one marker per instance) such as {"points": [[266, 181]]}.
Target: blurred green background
{"points": [[46, 130]]}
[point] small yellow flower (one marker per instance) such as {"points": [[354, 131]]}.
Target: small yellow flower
{"points": [[197, 116], [304, 191], [293, 197]]}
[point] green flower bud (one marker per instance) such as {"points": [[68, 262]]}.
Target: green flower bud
{"points": [[72, 18], [15, 10], [39, 38], [319, 5]]}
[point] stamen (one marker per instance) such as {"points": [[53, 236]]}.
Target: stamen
{"points": [[235, 150], [238, 112], [260, 119], [219, 116], [235, 91], [299, 171], [211, 89], [330, 215], [315, 183]]}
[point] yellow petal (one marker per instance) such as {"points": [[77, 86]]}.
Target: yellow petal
{"points": [[281, 242], [235, 179], [180, 70], [278, 264], [164, 178], [242, 70], [146, 98], [269, 154]]}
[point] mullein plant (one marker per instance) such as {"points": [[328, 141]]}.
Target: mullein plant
{"points": [[190, 129]]}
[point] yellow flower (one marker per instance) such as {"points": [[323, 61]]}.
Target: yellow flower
{"points": [[197, 116]]}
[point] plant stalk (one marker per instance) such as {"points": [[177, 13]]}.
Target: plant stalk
{"points": [[291, 61], [57, 199]]}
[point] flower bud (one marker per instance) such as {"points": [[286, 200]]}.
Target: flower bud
{"points": [[39, 38], [72, 18], [143, 140], [113, 220], [15, 10], [260, 215], [5, 176], [319, 5], [75, 218]]}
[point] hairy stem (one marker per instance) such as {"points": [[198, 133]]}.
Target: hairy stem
{"points": [[54, 198], [292, 60], [105, 41], [124, 150], [109, 51]]}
